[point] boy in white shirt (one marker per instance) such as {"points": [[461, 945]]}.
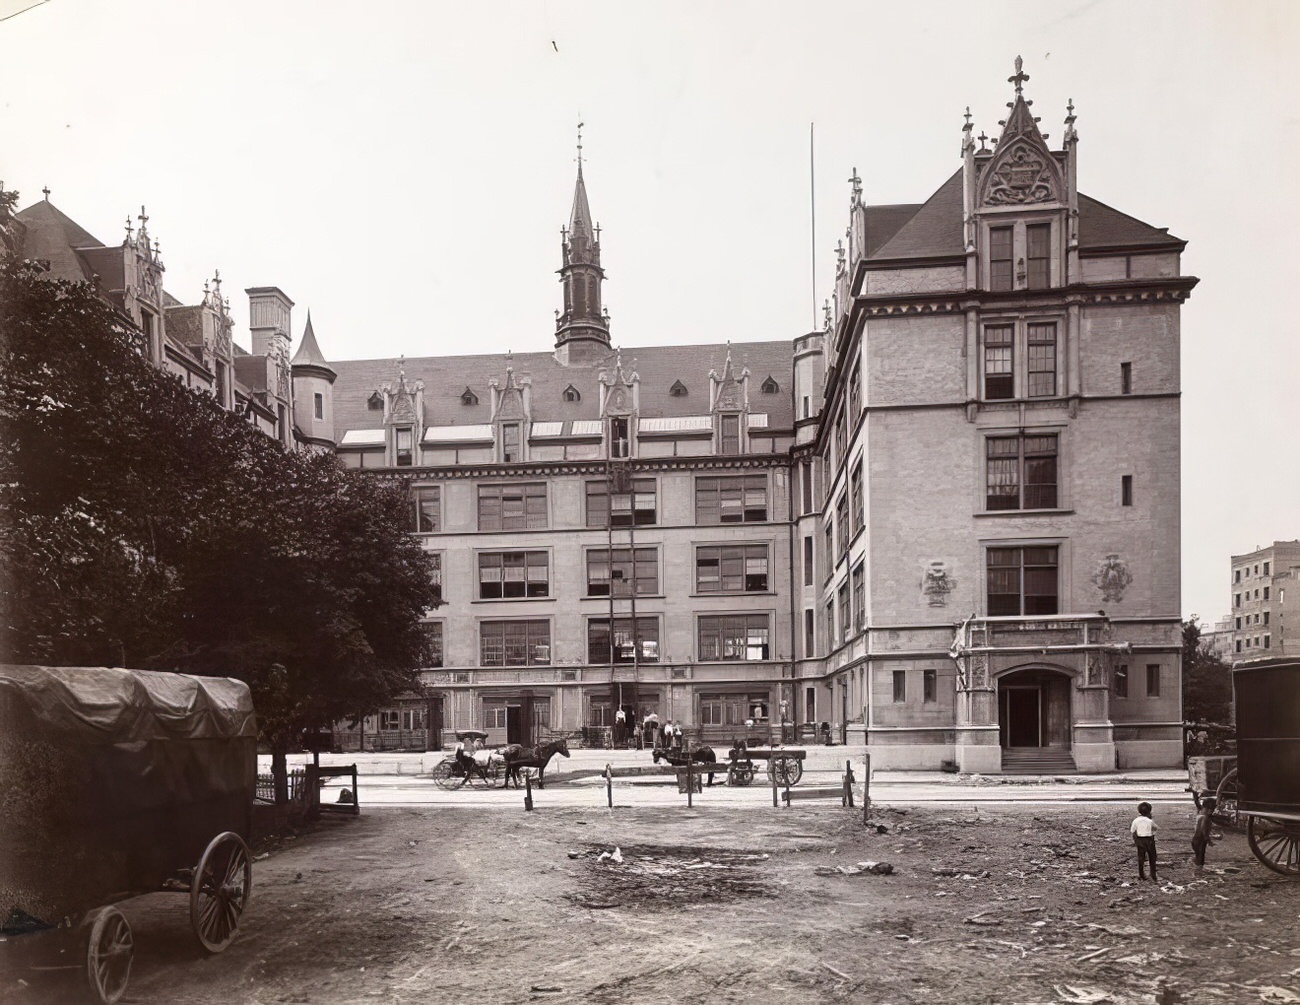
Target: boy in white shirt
{"points": [[1143, 829]]}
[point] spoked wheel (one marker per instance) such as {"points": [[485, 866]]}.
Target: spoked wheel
{"points": [[1276, 843], [108, 954], [1225, 802], [784, 770], [445, 776], [219, 893]]}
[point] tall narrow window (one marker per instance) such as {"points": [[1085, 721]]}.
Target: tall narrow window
{"points": [[808, 560], [1000, 258], [1153, 680], [318, 405], [930, 685], [806, 476], [619, 442], [1120, 681], [900, 686], [859, 597], [1126, 490], [1039, 240], [809, 633], [999, 371], [404, 438], [510, 442], [730, 441], [1042, 361], [842, 518], [855, 490], [1021, 472], [1022, 581], [1126, 378]]}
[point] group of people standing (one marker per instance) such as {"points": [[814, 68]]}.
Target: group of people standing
{"points": [[629, 731]]}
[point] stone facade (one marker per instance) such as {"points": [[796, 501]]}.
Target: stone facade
{"points": [[1018, 436], [1265, 600]]}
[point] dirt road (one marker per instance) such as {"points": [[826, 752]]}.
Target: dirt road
{"points": [[719, 904]]}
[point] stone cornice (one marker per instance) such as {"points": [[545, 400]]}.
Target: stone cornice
{"points": [[1170, 289], [598, 468]]}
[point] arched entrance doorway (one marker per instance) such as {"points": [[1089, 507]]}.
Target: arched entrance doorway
{"points": [[1034, 710]]}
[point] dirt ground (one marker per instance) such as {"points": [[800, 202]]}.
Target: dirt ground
{"points": [[1005, 905]]}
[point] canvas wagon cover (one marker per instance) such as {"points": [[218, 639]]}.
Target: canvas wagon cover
{"points": [[113, 780]]}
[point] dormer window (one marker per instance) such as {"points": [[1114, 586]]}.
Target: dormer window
{"points": [[403, 440], [729, 428], [1038, 238], [375, 402], [510, 444], [770, 386], [571, 394], [678, 390], [468, 397], [620, 444], [1000, 258]]}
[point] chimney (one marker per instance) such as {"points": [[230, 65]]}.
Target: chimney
{"points": [[268, 319]]}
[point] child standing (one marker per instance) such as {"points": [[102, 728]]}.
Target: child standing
{"points": [[1143, 829], [1201, 836]]}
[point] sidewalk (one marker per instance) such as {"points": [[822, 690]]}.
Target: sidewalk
{"points": [[585, 762]]}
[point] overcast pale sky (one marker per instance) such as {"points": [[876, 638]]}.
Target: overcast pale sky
{"points": [[403, 169]]}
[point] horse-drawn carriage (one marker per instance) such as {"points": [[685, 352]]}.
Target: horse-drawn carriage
{"points": [[1262, 782], [118, 783], [474, 763]]}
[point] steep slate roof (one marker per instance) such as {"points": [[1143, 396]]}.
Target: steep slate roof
{"points": [[309, 353], [883, 222], [50, 234], [446, 377], [934, 230]]}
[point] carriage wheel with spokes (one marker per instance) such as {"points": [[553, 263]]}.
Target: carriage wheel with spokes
{"points": [[1225, 802], [444, 775], [784, 770], [108, 954], [740, 774], [1276, 843], [219, 893]]}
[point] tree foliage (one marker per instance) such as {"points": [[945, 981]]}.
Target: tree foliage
{"points": [[142, 525], [1207, 679]]}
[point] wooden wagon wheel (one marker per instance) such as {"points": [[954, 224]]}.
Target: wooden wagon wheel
{"points": [[784, 771], [740, 773], [1276, 843], [1225, 802], [444, 774], [219, 893], [108, 954]]}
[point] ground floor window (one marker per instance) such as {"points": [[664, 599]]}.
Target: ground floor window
{"points": [[733, 709]]}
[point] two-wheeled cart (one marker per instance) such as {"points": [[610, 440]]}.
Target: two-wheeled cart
{"points": [[119, 783], [784, 764]]}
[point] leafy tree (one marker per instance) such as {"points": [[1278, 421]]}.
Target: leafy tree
{"points": [[1207, 679], [143, 525]]}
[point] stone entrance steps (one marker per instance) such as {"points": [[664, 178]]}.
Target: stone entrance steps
{"points": [[1037, 761]]}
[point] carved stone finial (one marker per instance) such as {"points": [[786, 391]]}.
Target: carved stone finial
{"points": [[967, 127], [826, 310], [46, 192], [983, 138], [580, 125], [856, 183], [143, 218], [130, 231], [1019, 77]]}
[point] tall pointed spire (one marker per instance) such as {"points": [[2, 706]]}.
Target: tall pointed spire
{"points": [[583, 322], [309, 354]]}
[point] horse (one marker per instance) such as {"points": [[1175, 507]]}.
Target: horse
{"points": [[518, 756], [700, 755], [477, 764]]}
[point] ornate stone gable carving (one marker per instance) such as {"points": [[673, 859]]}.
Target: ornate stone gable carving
{"points": [[620, 388], [510, 399], [1112, 578], [1020, 175], [729, 391], [401, 406]]}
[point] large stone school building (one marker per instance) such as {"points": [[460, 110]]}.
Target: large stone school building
{"points": [[946, 525]]}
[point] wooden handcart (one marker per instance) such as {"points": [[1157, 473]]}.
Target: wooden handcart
{"points": [[119, 783]]}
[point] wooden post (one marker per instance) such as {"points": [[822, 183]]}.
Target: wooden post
{"points": [[528, 791], [848, 785], [609, 785], [866, 790], [775, 801], [690, 782]]}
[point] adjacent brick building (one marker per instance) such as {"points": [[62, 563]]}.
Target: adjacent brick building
{"points": [[1265, 597]]}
